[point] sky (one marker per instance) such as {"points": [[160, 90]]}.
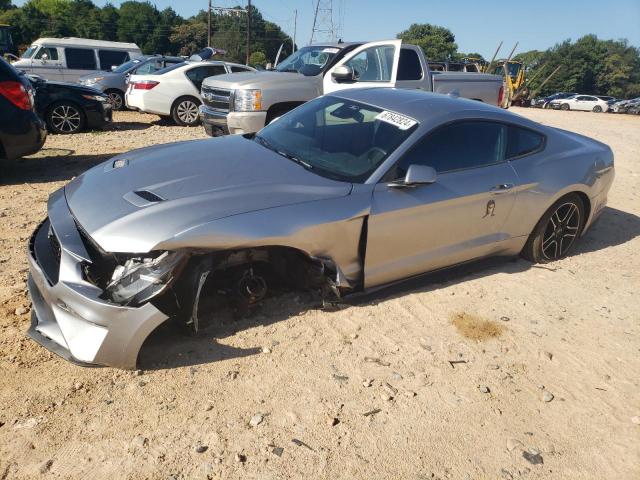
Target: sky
{"points": [[478, 25]]}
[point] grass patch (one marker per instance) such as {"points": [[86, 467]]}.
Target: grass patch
{"points": [[476, 328]]}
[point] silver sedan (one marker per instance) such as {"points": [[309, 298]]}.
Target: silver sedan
{"points": [[348, 192]]}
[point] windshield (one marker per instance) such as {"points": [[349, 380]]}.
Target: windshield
{"points": [[126, 66], [308, 60], [30, 51], [337, 138]]}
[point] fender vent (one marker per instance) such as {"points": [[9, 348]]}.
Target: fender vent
{"points": [[149, 196]]}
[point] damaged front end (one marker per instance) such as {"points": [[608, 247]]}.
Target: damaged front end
{"points": [[239, 280], [97, 308]]}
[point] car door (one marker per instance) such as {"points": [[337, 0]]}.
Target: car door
{"points": [[462, 216], [374, 64], [47, 63]]}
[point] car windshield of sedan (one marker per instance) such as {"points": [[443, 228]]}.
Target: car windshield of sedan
{"points": [[308, 60], [126, 66], [337, 138]]}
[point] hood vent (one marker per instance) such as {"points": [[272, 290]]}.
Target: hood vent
{"points": [[149, 196], [142, 198]]}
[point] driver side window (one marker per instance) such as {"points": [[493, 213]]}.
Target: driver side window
{"points": [[375, 64], [458, 146]]}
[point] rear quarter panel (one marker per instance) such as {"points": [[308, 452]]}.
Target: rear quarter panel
{"points": [[568, 163]]}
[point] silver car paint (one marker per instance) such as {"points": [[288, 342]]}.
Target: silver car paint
{"points": [[230, 193]]}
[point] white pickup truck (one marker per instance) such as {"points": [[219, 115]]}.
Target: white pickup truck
{"points": [[241, 103]]}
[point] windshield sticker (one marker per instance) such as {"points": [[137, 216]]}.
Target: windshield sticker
{"points": [[400, 121], [330, 50]]}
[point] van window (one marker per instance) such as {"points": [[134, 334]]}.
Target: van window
{"points": [[52, 53], [80, 58], [112, 58]]}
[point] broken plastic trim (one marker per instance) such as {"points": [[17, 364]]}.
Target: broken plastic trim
{"points": [[139, 279]]}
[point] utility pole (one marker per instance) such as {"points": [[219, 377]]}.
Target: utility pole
{"points": [[248, 31], [209, 30], [295, 25]]}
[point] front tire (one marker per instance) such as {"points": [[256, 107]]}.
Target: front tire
{"points": [[65, 118], [597, 109], [564, 106], [116, 99], [555, 234], [185, 111]]}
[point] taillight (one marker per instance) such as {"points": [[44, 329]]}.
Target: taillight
{"points": [[16, 94], [500, 95], [145, 84]]}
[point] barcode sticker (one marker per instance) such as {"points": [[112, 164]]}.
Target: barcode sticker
{"points": [[400, 121]]}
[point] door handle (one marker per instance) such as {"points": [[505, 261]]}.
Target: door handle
{"points": [[501, 188]]}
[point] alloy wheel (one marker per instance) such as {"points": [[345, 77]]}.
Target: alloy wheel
{"points": [[187, 112], [561, 231], [115, 99], [66, 118]]}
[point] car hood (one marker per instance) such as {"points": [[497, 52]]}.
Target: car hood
{"points": [[92, 75], [74, 87], [251, 79], [193, 183]]}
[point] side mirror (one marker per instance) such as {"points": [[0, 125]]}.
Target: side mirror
{"points": [[44, 58], [416, 175], [113, 68], [343, 73]]}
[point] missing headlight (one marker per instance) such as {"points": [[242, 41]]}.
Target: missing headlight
{"points": [[141, 278]]}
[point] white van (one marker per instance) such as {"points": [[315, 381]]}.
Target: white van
{"points": [[67, 59]]}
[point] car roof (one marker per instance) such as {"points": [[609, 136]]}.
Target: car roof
{"points": [[425, 107], [84, 42], [334, 44]]}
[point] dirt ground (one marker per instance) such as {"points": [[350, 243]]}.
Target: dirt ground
{"points": [[501, 370]]}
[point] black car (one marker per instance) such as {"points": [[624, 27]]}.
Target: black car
{"points": [[69, 107], [21, 131]]}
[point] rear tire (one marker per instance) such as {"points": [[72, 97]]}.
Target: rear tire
{"points": [[597, 109], [565, 106], [116, 99], [557, 231], [185, 111]]}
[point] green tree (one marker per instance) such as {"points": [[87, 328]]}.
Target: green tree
{"points": [[137, 22], [191, 36], [5, 4], [258, 58], [438, 43]]}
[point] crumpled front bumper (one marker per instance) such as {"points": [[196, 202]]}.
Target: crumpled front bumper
{"points": [[69, 317]]}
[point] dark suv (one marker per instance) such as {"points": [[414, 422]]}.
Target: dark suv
{"points": [[21, 130]]}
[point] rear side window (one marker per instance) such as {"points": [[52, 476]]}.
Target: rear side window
{"points": [[523, 142], [111, 58], [235, 69], [198, 74], [409, 67], [80, 58], [458, 146], [51, 53]]}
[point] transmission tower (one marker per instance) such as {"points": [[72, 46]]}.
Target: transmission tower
{"points": [[323, 27]]}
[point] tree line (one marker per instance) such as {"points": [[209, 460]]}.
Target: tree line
{"points": [[588, 65], [140, 22]]}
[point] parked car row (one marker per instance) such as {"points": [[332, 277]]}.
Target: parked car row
{"points": [[593, 103]]}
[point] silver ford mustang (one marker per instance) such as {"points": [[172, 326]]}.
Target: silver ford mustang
{"points": [[348, 192]]}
